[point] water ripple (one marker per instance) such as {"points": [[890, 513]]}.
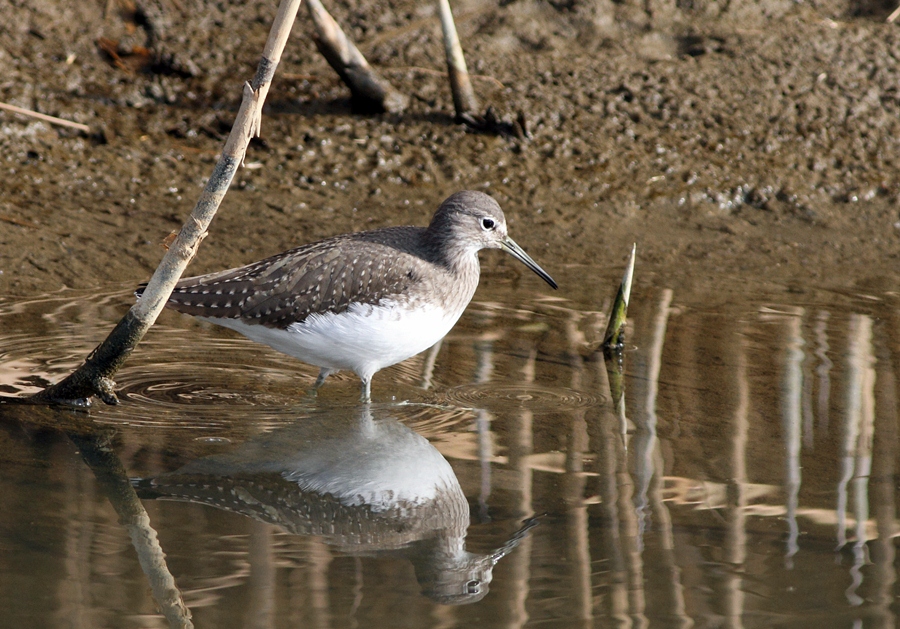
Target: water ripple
{"points": [[531, 396]]}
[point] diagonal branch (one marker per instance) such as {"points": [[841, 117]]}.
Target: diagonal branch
{"points": [[51, 119], [95, 376], [370, 91]]}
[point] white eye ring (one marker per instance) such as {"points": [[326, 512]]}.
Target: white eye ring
{"points": [[487, 224]]}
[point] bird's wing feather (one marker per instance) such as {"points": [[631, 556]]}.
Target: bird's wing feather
{"points": [[318, 278]]}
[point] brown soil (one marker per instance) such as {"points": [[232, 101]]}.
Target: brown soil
{"points": [[728, 139]]}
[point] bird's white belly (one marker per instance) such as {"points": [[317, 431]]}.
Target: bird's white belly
{"points": [[363, 338]]}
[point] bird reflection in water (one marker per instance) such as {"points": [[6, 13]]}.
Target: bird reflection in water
{"points": [[365, 485]]}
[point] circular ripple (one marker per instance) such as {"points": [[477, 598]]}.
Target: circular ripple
{"points": [[205, 391], [206, 402], [525, 395]]}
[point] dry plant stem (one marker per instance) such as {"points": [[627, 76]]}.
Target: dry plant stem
{"points": [[371, 92], [94, 377], [113, 480], [51, 119], [464, 101]]}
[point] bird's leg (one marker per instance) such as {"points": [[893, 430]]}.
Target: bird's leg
{"points": [[365, 395], [323, 374]]}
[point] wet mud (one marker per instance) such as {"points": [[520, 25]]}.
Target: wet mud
{"points": [[730, 141]]}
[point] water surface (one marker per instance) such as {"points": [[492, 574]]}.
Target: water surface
{"points": [[747, 479]]}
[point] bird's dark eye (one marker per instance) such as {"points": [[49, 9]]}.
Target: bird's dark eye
{"points": [[473, 586], [487, 224]]}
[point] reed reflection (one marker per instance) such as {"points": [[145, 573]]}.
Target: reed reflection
{"points": [[884, 470], [651, 512], [856, 460], [784, 376], [791, 418], [363, 482]]}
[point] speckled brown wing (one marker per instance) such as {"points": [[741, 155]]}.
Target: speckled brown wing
{"points": [[322, 277]]}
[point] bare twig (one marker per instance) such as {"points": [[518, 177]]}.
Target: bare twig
{"points": [[370, 91], [18, 221], [94, 377], [894, 15], [51, 119], [464, 101]]}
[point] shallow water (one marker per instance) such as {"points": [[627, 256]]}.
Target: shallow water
{"points": [[748, 479]]}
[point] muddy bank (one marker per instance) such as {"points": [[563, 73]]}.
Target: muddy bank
{"points": [[746, 140]]}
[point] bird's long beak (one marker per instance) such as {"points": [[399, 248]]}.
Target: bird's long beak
{"points": [[510, 245]]}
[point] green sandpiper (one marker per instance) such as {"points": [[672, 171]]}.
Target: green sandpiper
{"points": [[360, 301]]}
